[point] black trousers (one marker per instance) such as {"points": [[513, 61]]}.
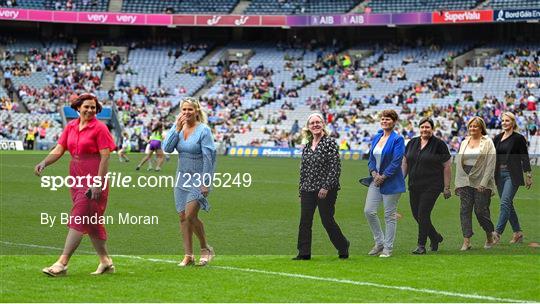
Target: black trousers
{"points": [[422, 203], [309, 202], [30, 145]]}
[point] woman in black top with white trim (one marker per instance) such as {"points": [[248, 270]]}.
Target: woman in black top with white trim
{"points": [[427, 162], [512, 162], [319, 184]]}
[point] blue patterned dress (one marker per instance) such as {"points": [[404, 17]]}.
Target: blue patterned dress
{"points": [[196, 164]]}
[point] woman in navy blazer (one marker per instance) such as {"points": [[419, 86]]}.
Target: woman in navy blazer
{"points": [[385, 156]]}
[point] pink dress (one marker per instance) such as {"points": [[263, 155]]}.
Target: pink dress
{"points": [[84, 147]]}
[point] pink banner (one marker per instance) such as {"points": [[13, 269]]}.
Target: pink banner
{"points": [[159, 19], [37, 15], [112, 18], [87, 17], [69, 17], [13, 14]]}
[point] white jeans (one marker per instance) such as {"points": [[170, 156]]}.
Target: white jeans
{"points": [[373, 200]]}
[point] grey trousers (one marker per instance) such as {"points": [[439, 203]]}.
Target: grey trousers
{"points": [[373, 200], [479, 201]]}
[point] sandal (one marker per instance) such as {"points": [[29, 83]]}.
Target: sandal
{"points": [[188, 260], [57, 269], [103, 269], [517, 238], [208, 257], [496, 237]]}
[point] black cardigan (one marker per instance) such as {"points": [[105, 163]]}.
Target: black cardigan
{"points": [[517, 159]]}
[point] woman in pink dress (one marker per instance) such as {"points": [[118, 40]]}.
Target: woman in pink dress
{"points": [[90, 143]]}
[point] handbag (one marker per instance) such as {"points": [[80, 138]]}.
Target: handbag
{"points": [[366, 181]]}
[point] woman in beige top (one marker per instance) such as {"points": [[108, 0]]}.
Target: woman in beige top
{"points": [[475, 181]]}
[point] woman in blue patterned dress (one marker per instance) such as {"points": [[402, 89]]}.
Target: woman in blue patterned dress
{"points": [[193, 140]]}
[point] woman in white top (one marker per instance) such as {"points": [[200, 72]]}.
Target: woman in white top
{"points": [[122, 154], [475, 181]]}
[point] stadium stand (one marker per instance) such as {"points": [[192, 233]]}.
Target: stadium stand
{"points": [[177, 6], [265, 101], [504, 4], [268, 6], [65, 5], [427, 90], [78, 5], [300, 6], [396, 6], [31, 4], [47, 75], [151, 83], [272, 74], [14, 126], [207, 6]]}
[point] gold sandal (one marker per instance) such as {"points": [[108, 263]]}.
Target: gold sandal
{"points": [[55, 270], [103, 269], [188, 260], [208, 257], [517, 238]]}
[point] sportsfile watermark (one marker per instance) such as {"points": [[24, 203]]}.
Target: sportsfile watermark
{"points": [[121, 180]]}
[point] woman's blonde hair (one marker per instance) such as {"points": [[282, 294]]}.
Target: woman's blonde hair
{"points": [[512, 118], [306, 133], [201, 115], [479, 121]]}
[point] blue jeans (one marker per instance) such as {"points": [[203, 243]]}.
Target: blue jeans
{"points": [[507, 191]]}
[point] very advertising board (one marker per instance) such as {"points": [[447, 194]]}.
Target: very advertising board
{"points": [[84, 17]]}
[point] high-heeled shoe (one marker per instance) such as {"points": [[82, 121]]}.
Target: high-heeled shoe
{"points": [[188, 260], [345, 254], [466, 245], [496, 237], [435, 244], [517, 238], [301, 257], [208, 257], [492, 239], [55, 270], [104, 269], [420, 250]]}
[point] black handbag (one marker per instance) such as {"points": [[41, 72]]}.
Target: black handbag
{"points": [[366, 181]]}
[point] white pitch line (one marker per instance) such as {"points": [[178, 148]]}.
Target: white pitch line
{"points": [[303, 276]]}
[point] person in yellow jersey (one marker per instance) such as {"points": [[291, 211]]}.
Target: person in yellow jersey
{"points": [[156, 137], [344, 145], [30, 138]]}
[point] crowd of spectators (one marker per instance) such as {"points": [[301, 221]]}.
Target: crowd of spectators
{"points": [[523, 62], [140, 108], [346, 116]]}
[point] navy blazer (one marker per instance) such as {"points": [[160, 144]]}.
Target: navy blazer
{"points": [[390, 166]]}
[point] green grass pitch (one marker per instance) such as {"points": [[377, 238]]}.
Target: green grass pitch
{"points": [[253, 231]]}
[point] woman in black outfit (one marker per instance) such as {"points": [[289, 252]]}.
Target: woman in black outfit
{"points": [[319, 185], [512, 162], [427, 162]]}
